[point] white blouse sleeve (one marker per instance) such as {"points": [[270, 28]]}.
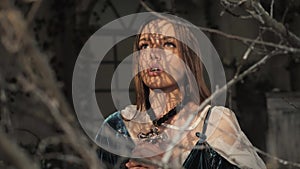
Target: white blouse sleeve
{"points": [[225, 136]]}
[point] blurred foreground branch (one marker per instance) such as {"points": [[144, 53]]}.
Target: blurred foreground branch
{"points": [[15, 154], [32, 75]]}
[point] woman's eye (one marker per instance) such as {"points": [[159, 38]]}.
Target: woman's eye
{"points": [[144, 46], [169, 45]]}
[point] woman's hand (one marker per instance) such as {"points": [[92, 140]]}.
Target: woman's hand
{"points": [[147, 150], [137, 165]]}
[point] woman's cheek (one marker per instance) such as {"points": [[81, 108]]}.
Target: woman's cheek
{"points": [[143, 64]]}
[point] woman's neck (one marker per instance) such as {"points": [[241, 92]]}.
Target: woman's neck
{"points": [[163, 101]]}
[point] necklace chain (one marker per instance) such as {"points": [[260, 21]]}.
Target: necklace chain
{"points": [[157, 122], [153, 136]]}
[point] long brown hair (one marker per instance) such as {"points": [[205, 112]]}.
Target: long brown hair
{"points": [[189, 57]]}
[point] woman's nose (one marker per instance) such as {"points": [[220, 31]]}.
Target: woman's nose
{"points": [[154, 57], [155, 53]]}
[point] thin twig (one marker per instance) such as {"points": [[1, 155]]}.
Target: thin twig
{"points": [[201, 147], [291, 104], [261, 15], [244, 58], [229, 36], [286, 11], [167, 155], [271, 8], [243, 39], [280, 160], [34, 8]]}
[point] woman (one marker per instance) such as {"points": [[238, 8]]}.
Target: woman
{"points": [[169, 88]]}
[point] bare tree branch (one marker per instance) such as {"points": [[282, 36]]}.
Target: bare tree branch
{"points": [[233, 81], [243, 39], [258, 12], [234, 37], [236, 79], [271, 8], [244, 58], [36, 76], [14, 153], [4, 112], [77, 142], [33, 10]]}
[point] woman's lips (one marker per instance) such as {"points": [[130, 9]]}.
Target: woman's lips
{"points": [[154, 71]]}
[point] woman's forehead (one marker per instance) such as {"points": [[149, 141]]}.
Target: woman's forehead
{"points": [[162, 27]]}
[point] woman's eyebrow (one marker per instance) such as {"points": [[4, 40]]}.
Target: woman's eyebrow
{"points": [[143, 39], [168, 37], [164, 38]]}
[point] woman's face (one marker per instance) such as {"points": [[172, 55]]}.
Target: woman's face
{"points": [[160, 61]]}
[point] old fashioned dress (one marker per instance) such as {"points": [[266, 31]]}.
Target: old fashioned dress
{"points": [[217, 153]]}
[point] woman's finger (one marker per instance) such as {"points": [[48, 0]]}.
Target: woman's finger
{"points": [[136, 165]]}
